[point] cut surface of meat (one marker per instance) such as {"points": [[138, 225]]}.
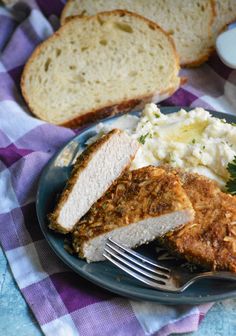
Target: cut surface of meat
{"points": [[140, 206]]}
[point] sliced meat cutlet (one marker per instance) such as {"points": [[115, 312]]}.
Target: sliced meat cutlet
{"points": [[94, 172], [140, 206], [209, 240]]}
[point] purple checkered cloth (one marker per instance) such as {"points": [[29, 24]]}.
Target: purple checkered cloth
{"points": [[62, 302]]}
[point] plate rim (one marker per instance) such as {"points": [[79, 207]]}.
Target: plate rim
{"points": [[179, 298]]}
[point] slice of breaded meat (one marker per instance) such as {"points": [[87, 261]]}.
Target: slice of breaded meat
{"points": [[209, 240], [94, 171], [140, 206]]}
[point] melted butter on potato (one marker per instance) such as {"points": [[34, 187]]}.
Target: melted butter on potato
{"points": [[193, 140]]}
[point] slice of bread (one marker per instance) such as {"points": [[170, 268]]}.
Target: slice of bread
{"points": [[225, 14], [94, 171], [97, 66], [188, 22], [140, 206]]}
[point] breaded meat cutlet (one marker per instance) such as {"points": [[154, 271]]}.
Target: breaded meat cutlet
{"points": [[209, 240], [93, 173], [140, 206]]}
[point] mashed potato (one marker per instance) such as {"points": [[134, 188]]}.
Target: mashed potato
{"points": [[193, 140]]}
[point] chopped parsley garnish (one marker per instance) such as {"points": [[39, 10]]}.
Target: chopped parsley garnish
{"points": [[157, 115], [104, 205], [193, 141], [142, 138], [203, 147], [231, 183], [233, 124]]}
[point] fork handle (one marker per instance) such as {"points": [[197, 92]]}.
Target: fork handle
{"points": [[216, 275]]}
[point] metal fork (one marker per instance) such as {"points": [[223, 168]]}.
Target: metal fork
{"points": [[154, 274]]}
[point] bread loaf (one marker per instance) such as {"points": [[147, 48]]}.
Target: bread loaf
{"points": [[188, 22], [97, 66]]}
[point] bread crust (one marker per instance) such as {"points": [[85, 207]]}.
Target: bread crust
{"points": [[109, 110], [200, 60], [80, 164], [63, 18]]}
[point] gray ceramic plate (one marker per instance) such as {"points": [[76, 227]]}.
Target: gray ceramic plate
{"points": [[105, 274]]}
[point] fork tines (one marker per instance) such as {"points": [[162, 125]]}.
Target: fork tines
{"points": [[136, 265]]}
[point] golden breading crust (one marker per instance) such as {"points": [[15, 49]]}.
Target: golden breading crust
{"points": [[210, 240], [136, 195]]}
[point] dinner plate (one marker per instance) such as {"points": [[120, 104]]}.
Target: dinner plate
{"points": [[103, 273]]}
